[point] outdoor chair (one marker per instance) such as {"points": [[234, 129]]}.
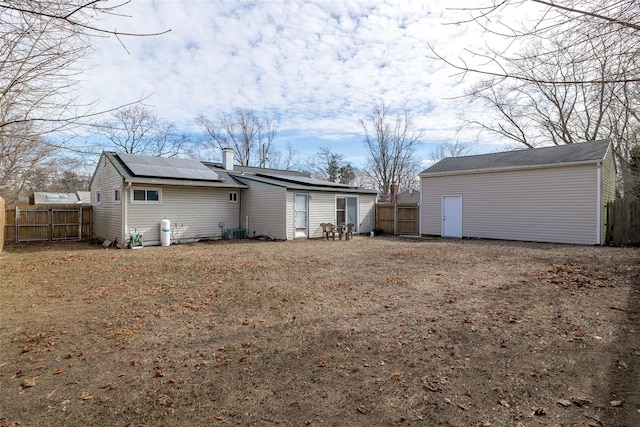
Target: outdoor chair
{"points": [[348, 231], [328, 230]]}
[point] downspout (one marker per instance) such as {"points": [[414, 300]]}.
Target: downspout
{"points": [[240, 209], [125, 212], [599, 199]]}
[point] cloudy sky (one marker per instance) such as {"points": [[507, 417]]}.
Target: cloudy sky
{"points": [[317, 67]]}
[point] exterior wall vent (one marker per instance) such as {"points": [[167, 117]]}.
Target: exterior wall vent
{"points": [[235, 233]]}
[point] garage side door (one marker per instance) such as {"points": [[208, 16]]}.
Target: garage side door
{"points": [[451, 216]]}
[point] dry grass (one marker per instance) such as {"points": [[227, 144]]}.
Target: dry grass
{"points": [[378, 331]]}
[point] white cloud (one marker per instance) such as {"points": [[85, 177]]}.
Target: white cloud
{"points": [[318, 66]]}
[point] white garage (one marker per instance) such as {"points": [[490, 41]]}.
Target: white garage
{"points": [[553, 194]]}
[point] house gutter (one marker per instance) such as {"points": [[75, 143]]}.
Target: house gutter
{"points": [[125, 215]]}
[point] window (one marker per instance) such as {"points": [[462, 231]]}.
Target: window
{"points": [[146, 195], [233, 197], [98, 198], [341, 210], [116, 195]]}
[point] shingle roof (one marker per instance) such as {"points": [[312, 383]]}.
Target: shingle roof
{"points": [[570, 153]]}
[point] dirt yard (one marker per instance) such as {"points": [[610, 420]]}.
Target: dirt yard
{"points": [[375, 331]]}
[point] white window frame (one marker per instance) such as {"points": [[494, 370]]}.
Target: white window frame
{"points": [[346, 216], [146, 201], [117, 195], [233, 197], [98, 196], [336, 210]]}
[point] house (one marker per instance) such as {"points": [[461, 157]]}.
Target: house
{"points": [[552, 194], [409, 196], [203, 200]]}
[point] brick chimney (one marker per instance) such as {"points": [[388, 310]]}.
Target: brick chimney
{"points": [[393, 195]]}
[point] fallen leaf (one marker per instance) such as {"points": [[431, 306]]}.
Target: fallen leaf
{"points": [[396, 376], [563, 402], [362, 409], [580, 401], [538, 410], [85, 396], [28, 382], [504, 403], [59, 371]]}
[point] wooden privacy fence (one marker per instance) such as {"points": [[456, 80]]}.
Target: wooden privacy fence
{"points": [[35, 223], [623, 222], [2, 205], [398, 219]]}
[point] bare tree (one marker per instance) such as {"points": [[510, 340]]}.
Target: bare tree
{"points": [[41, 43], [576, 80], [287, 159], [634, 170], [332, 167], [391, 141], [455, 148], [613, 23], [249, 135], [22, 154], [139, 130]]}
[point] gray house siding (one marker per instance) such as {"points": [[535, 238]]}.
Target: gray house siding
{"points": [[367, 208], [608, 188], [322, 209], [107, 216], [552, 204], [195, 213], [263, 210], [290, 215]]}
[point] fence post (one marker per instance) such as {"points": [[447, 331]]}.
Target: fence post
{"points": [[3, 218], [17, 227], [395, 218]]}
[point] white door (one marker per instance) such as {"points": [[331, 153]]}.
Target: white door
{"points": [[451, 216], [301, 223], [347, 211]]}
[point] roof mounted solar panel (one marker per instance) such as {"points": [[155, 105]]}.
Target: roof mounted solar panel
{"points": [[161, 167], [304, 180]]}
